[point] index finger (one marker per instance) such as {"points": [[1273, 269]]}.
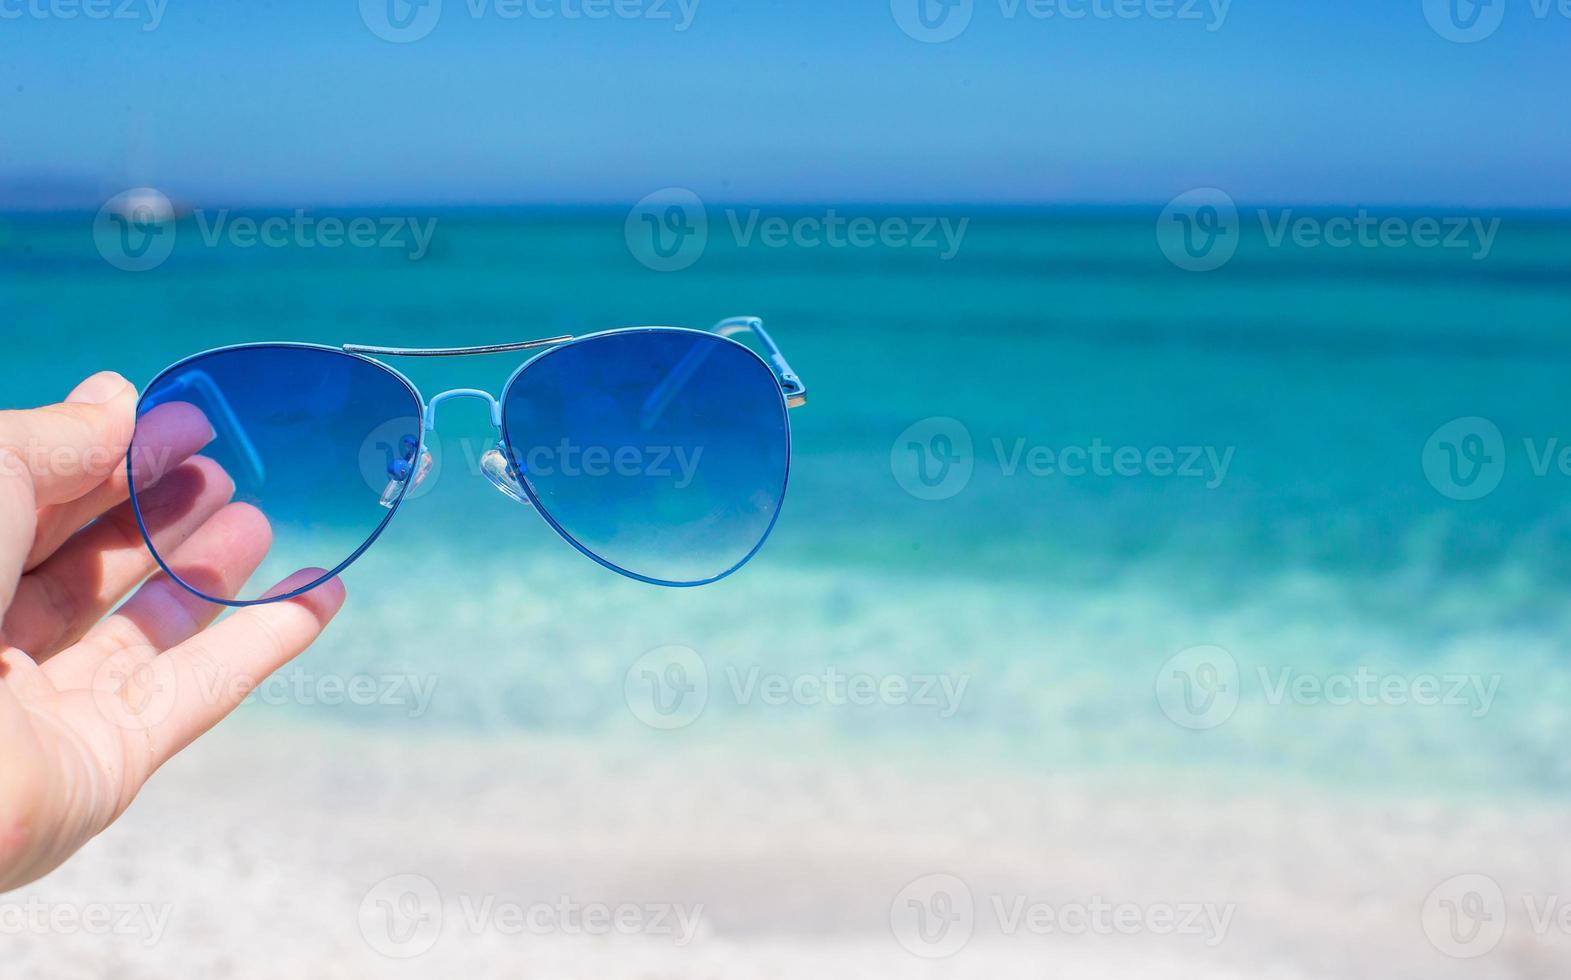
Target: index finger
{"points": [[70, 448], [54, 454]]}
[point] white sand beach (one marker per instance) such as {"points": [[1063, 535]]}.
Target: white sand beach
{"points": [[324, 852]]}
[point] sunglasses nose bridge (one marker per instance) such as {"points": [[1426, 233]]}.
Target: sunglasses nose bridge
{"points": [[485, 396], [412, 469], [494, 465]]}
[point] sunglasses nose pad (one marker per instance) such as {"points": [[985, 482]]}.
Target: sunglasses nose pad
{"points": [[502, 475], [404, 470]]}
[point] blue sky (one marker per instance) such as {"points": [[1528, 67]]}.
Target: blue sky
{"points": [[299, 102]]}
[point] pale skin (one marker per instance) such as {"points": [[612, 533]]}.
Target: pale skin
{"points": [[96, 695]]}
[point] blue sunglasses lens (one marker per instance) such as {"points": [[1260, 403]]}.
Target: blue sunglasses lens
{"points": [[316, 444], [662, 453]]}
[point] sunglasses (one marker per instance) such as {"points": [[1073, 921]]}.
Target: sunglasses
{"points": [[660, 452]]}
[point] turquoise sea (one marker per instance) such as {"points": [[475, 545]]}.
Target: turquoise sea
{"points": [[1380, 633]]}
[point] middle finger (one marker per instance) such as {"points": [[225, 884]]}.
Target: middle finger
{"points": [[61, 599]]}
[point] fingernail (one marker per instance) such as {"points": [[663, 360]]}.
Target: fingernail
{"points": [[98, 389]]}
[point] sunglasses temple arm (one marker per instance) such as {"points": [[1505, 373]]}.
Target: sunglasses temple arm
{"points": [[205, 386], [655, 404], [790, 383]]}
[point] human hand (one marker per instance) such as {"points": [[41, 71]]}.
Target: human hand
{"points": [[91, 706]]}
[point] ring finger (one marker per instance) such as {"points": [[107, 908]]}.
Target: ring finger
{"points": [[218, 559]]}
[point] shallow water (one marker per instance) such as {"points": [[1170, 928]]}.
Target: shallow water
{"points": [[1288, 497]]}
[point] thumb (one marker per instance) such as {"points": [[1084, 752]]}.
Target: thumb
{"points": [[70, 448]]}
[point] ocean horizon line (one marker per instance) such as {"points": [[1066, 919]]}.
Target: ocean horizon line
{"points": [[850, 208]]}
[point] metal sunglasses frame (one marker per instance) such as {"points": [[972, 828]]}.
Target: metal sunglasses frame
{"points": [[792, 391]]}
